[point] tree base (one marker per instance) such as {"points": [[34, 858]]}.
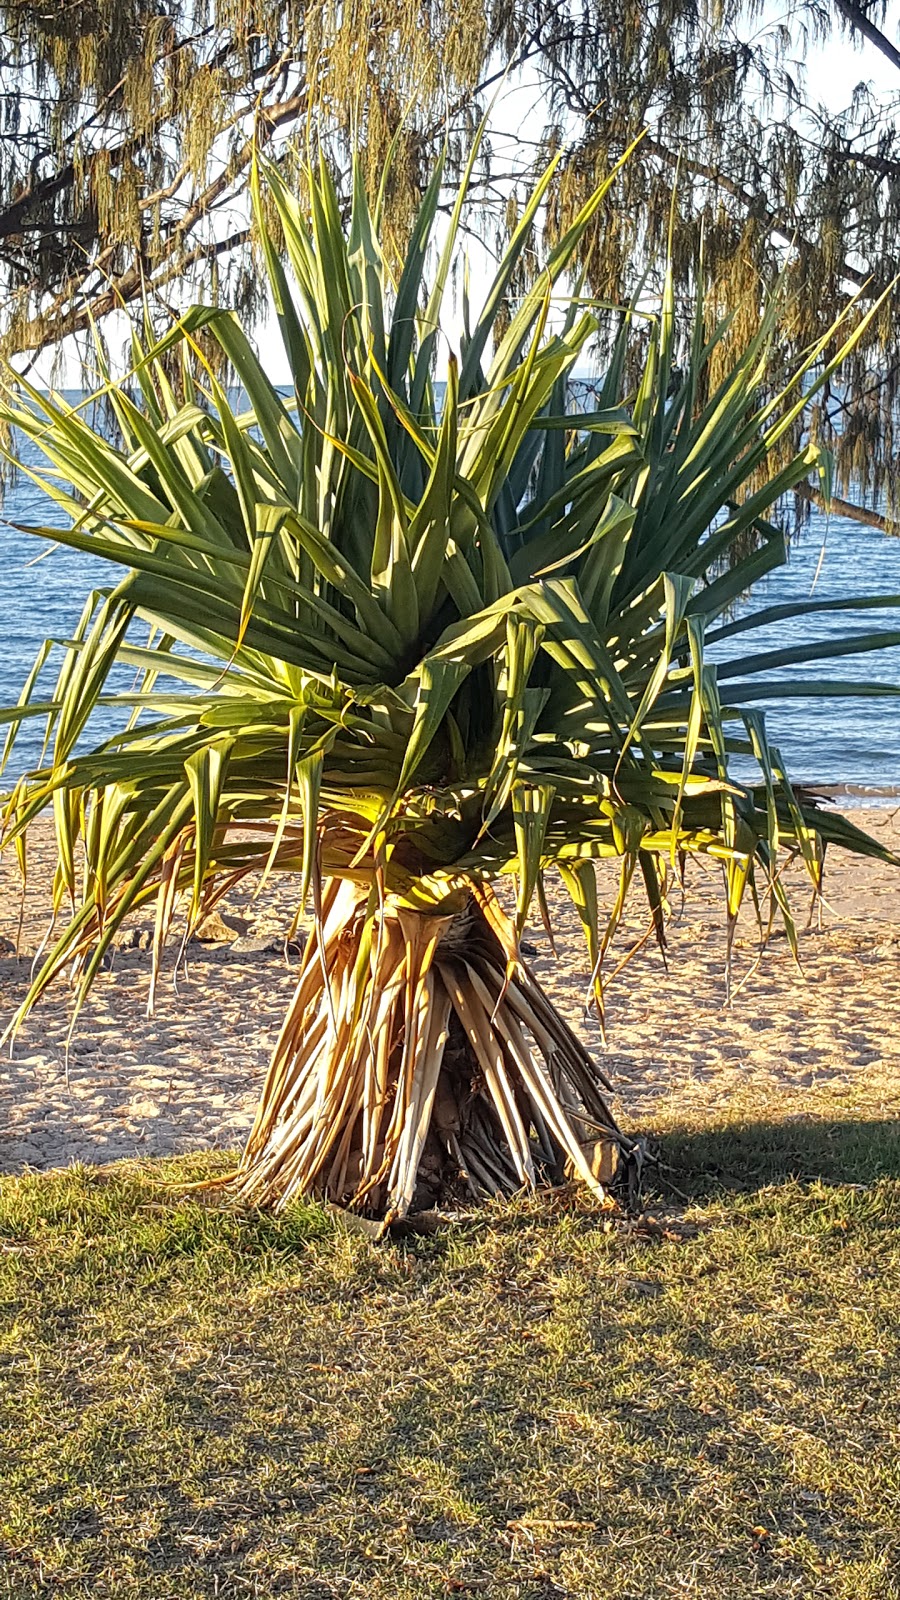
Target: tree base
{"points": [[419, 1061]]}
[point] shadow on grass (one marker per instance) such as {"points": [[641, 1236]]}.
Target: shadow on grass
{"points": [[743, 1156]]}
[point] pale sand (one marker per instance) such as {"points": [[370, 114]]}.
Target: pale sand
{"points": [[188, 1078]]}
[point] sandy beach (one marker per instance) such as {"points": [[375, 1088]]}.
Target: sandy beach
{"points": [[188, 1077]]}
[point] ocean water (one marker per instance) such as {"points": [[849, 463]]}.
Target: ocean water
{"points": [[849, 745], [845, 744]]}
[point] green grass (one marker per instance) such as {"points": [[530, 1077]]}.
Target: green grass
{"points": [[531, 1403]]}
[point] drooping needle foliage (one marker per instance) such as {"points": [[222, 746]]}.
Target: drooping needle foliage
{"points": [[415, 625]]}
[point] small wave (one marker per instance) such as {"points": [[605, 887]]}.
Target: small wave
{"points": [[885, 796]]}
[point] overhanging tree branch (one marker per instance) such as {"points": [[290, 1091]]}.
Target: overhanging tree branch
{"points": [[861, 23], [843, 508], [146, 160]]}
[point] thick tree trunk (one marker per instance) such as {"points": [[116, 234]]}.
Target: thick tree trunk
{"points": [[421, 1059]]}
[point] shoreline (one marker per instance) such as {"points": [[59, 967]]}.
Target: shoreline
{"points": [[187, 1079], [864, 797]]}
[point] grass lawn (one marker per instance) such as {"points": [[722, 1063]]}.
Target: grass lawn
{"points": [[531, 1403]]}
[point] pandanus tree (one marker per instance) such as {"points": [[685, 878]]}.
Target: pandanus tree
{"points": [[418, 625]]}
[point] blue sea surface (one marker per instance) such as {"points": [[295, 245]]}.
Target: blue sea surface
{"points": [[846, 744]]}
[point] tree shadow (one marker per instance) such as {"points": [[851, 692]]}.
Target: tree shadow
{"points": [[745, 1156]]}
